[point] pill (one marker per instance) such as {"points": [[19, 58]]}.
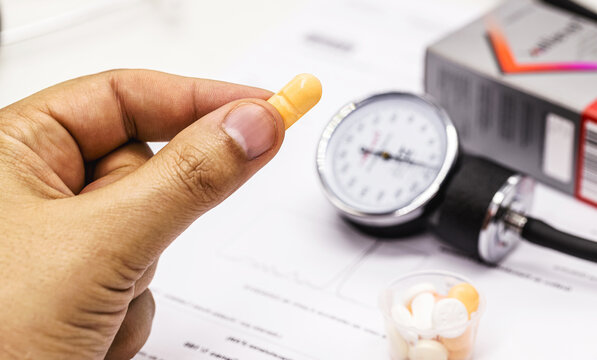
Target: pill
{"points": [[464, 354], [422, 310], [296, 98], [397, 344], [401, 315], [438, 297], [460, 348], [428, 350], [415, 290], [466, 293], [404, 320], [462, 342], [450, 317]]}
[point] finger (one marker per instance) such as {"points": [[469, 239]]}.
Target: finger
{"points": [[198, 169], [145, 279], [135, 328], [86, 118], [118, 164]]}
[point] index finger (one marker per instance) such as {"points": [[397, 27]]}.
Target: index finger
{"points": [[105, 110], [86, 118]]}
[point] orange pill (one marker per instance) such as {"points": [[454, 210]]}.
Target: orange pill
{"points": [[463, 354], [461, 342], [439, 297], [461, 347], [467, 294], [296, 98]]}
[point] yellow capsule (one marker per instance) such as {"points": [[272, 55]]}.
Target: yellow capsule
{"points": [[296, 98], [467, 294]]}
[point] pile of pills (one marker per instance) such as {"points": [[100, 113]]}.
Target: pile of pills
{"points": [[427, 325]]}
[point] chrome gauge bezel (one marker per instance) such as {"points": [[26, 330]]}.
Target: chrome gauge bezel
{"points": [[414, 209]]}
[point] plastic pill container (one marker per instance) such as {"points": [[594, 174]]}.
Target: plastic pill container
{"points": [[431, 315]]}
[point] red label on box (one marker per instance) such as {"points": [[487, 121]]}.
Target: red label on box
{"points": [[586, 176]]}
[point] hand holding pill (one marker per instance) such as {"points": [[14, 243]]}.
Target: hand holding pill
{"points": [[76, 154]]}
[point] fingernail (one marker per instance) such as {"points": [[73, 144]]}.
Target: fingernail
{"points": [[252, 127]]}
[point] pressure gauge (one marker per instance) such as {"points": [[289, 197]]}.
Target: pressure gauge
{"points": [[391, 166], [382, 160]]}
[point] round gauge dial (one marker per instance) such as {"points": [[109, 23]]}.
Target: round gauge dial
{"points": [[386, 156]]}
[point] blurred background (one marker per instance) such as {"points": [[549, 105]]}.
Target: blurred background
{"points": [[45, 42]]}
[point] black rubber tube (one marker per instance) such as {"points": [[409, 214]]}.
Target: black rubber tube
{"points": [[540, 233], [572, 6]]}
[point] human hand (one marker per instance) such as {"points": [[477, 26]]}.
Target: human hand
{"points": [[85, 209]]}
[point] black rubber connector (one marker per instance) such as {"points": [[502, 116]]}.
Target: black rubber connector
{"points": [[464, 202], [540, 233]]}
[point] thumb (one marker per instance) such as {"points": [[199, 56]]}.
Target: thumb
{"points": [[197, 170]]}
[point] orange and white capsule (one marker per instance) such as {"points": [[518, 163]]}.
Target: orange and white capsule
{"points": [[296, 98]]}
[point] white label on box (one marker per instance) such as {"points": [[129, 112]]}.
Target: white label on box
{"points": [[558, 150]]}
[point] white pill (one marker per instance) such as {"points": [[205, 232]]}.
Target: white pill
{"points": [[415, 290], [401, 315], [404, 319], [450, 317], [428, 350], [397, 344], [422, 310]]}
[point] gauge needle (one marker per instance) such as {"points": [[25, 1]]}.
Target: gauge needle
{"points": [[387, 156]]}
